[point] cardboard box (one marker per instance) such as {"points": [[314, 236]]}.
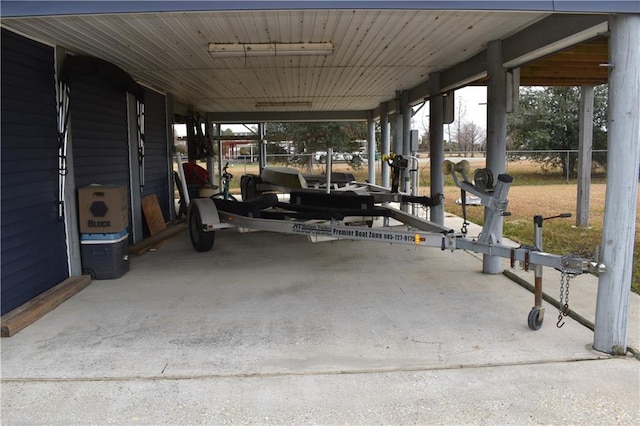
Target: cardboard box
{"points": [[103, 209]]}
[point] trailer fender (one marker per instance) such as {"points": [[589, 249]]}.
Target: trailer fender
{"points": [[208, 213]]}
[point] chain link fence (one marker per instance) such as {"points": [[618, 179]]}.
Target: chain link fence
{"points": [[565, 160]]}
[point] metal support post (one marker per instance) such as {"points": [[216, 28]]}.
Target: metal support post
{"points": [[612, 308], [496, 135], [385, 135], [436, 147], [406, 139], [397, 138], [220, 160], [584, 157], [262, 148], [211, 161], [371, 150], [329, 167]]}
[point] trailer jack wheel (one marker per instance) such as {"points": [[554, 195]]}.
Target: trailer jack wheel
{"points": [[200, 240], [536, 316]]}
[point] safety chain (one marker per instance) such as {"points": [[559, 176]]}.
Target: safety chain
{"points": [[463, 197], [563, 309]]}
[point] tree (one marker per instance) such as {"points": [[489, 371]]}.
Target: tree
{"points": [[469, 135], [309, 138], [461, 112], [425, 141], [548, 119], [312, 137]]}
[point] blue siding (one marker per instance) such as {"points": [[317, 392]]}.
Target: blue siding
{"points": [[99, 129], [156, 150], [34, 255], [99, 132]]}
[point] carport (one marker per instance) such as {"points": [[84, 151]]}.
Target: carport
{"points": [[376, 61]]}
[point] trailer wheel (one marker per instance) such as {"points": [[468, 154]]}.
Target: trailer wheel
{"points": [[200, 240], [535, 318]]}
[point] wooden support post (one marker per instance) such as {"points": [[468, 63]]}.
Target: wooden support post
{"points": [[584, 155], [496, 135], [614, 286], [436, 146]]}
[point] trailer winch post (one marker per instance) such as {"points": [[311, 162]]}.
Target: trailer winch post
{"points": [[329, 167]]}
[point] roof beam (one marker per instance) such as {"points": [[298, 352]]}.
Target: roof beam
{"points": [[454, 77], [276, 116], [547, 36], [551, 35]]}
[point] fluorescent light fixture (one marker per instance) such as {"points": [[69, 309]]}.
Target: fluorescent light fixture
{"points": [[230, 50], [266, 105]]}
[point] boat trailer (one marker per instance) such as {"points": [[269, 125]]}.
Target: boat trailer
{"points": [[354, 210]]}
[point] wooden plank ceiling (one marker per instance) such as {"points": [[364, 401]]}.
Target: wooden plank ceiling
{"points": [[576, 66]]}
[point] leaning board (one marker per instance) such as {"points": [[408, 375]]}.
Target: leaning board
{"points": [[153, 214]]}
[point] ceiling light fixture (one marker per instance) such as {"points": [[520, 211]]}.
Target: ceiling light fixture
{"points": [[230, 50], [283, 105]]}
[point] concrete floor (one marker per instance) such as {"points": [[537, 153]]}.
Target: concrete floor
{"points": [[269, 328]]}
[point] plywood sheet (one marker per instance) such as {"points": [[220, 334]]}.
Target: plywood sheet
{"points": [[153, 214]]}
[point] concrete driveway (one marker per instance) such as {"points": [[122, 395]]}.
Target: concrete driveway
{"points": [[269, 328]]}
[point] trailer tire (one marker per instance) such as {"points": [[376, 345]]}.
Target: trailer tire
{"points": [[535, 318], [200, 240]]}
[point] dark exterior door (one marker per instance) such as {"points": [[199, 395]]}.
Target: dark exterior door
{"points": [[34, 254]]}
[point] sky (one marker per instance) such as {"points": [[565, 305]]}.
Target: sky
{"points": [[474, 102]]}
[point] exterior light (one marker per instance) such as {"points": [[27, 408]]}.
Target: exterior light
{"points": [[267, 105], [230, 50]]}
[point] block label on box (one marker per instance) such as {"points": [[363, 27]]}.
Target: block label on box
{"points": [[99, 223], [103, 208]]}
